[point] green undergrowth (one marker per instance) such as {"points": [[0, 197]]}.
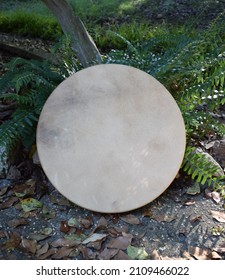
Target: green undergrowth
{"points": [[30, 24]]}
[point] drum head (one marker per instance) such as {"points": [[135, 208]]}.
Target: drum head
{"points": [[111, 138]]}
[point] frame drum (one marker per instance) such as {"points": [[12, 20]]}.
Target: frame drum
{"points": [[111, 138]]}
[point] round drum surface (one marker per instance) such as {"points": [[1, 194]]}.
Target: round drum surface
{"points": [[111, 138]]}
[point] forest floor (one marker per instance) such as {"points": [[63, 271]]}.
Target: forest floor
{"points": [[37, 222]]}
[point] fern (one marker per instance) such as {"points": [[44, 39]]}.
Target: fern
{"points": [[28, 83], [200, 168]]}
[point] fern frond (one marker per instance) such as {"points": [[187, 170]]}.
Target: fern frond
{"points": [[199, 167]]}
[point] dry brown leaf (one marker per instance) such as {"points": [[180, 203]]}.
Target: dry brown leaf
{"points": [[117, 231], [8, 203], [95, 245], [189, 202], [38, 236], [16, 222], [195, 219], [208, 193], [114, 218], [60, 201], [63, 201], [187, 256], [130, 219], [219, 216], [214, 195], [28, 215], [199, 253], [163, 217], [29, 245], [113, 232], [2, 234], [23, 189], [101, 224], [215, 256], [94, 237], [62, 253], [87, 253], [147, 213], [155, 255], [64, 227], [220, 248], [49, 253], [13, 173], [3, 191], [120, 242], [86, 222], [107, 254], [13, 241], [42, 250], [61, 242], [121, 256]]}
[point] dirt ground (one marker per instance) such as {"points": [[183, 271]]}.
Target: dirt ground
{"points": [[180, 224]]}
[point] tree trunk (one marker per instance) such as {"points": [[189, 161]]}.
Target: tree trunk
{"points": [[82, 43]]}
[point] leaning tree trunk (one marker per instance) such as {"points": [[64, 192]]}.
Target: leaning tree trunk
{"points": [[82, 43]]}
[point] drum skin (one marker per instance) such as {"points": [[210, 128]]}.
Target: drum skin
{"points": [[111, 138]]}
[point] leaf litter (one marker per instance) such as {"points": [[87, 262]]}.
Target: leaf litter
{"points": [[87, 235]]}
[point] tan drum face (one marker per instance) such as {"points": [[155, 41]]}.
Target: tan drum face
{"points": [[111, 138]]}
